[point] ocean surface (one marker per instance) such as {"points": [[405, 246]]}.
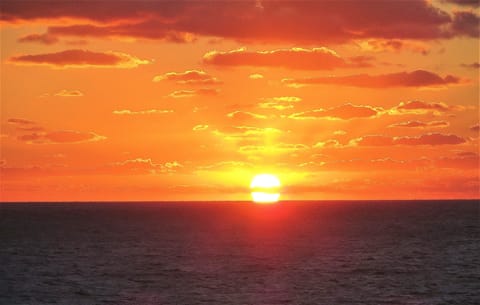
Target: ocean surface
{"points": [[319, 253]]}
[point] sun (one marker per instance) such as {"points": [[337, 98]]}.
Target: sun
{"points": [[265, 188]]}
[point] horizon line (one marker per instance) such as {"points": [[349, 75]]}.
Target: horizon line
{"points": [[237, 201]]}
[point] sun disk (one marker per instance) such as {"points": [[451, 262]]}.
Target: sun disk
{"points": [[265, 188]]}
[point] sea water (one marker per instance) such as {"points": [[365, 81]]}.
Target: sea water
{"points": [[379, 252]]}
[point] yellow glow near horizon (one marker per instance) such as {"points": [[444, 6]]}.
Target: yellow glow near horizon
{"points": [[265, 188]]}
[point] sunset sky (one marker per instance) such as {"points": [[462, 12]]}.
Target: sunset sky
{"points": [[188, 100]]}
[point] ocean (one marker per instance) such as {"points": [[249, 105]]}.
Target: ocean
{"points": [[319, 253]]}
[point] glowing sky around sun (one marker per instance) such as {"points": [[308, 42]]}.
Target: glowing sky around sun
{"points": [[162, 100]]}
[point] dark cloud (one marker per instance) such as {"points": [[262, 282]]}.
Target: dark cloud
{"points": [[21, 121], [154, 30], [473, 3], [275, 21], [396, 45], [473, 65], [40, 38], [466, 23]]}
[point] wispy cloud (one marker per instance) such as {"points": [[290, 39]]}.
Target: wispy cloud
{"points": [[194, 92], [279, 103], [69, 93], [60, 137], [419, 124], [418, 78], [39, 38], [256, 76], [141, 112], [343, 112], [245, 115], [473, 65], [189, 77], [200, 127], [432, 139]]}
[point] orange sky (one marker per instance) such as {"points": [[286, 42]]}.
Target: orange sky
{"points": [[188, 100]]}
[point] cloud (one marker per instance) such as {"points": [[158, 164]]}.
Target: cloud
{"points": [[135, 166], [245, 115], [421, 107], [138, 166], [244, 133], [294, 58], [80, 59], [331, 143], [24, 125], [473, 65], [40, 38], [224, 165], [394, 45], [473, 3], [343, 112], [189, 77], [141, 112], [281, 148], [200, 127], [257, 131], [286, 99], [30, 129], [69, 93], [466, 23], [151, 29], [301, 22], [373, 140], [388, 187], [475, 128], [463, 160], [383, 164], [60, 137], [173, 165], [275, 105], [432, 139], [256, 76], [194, 92], [36, 134], [21, 121], [418, 78], [279, 103], [419, 124], [130, 167]]}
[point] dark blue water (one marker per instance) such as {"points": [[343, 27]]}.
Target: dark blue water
{"points": [[239, 253]]}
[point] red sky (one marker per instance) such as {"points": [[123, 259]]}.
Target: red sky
{"points": [[188, 100]]}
